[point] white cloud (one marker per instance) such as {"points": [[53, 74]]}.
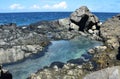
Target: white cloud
{"points": [[61, 5], [35, 6], [16, 6]]}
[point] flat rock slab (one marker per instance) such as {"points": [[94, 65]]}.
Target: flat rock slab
{"points": [[108, 73]]}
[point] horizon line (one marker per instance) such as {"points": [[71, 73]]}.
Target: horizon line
{"points": [[56, 11]]}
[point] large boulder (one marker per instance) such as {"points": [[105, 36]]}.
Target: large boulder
{"points": [[111, 27], [108, 73], [84, 19], [110, 32]]}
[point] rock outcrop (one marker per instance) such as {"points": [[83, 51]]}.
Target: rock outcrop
{"points": [[110, 32], [82, 20], [69, 71], [17, 44], [108, 73]]}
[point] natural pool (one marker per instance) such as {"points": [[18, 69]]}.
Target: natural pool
{"points": [[62, 51]]}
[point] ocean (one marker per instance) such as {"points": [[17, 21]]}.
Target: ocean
{"points": [[32, 17]]}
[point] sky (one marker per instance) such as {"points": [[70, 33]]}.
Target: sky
{"points": [[58, 5]]}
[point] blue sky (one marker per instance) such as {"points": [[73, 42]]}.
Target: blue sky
{"points": [[58, 5]]}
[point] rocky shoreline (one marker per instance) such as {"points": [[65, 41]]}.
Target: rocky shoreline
{"points": [[18, 43], [104, 57]]}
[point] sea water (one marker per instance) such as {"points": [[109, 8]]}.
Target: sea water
{"points": [[58, 51], [31, 17]]}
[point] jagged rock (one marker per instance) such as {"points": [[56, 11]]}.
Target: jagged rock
{"points": [[91, 51], [80, 20], [64, 22], [17, 43], [71, 72], [100, 49], [56, 68], [112, 43], [84, 18], [110, 32], [74, 26], [90, 31], [110, 28], [93, 27], [96, 32]]}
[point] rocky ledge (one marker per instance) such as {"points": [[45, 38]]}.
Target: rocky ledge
{"points": [[17, 44], [80, 22], [72, 71], [105, 57]]}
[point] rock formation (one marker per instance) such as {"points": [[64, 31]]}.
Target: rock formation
{"points": [[103, 57], [110, 32], [82, 20], [108, 73], [17, 44]]}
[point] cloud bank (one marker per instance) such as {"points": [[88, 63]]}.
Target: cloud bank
{"points": [[60, 5], [35, 6], [16, 6]]}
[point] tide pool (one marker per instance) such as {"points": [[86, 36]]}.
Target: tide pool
{"points": [[62, 51]]}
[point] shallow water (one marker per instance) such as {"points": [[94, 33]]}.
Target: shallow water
{"points": [[62, 50]]}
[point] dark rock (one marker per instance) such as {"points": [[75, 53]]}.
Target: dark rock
{"points": [[118, 55], [4, 74], [58, 64], [76, 61], [87, 56]]}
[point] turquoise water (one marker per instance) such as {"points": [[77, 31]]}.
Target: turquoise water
{"points": [[62, 50]]}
